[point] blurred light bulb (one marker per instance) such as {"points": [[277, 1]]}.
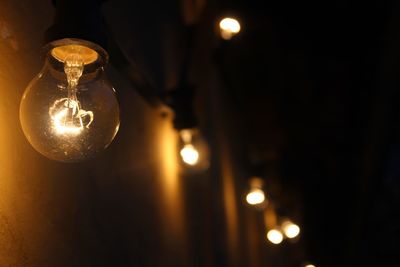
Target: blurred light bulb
{"points": [[229, 27], [189, 154], [275, 236], [255, 196], [69, 112], [290, 229], [310, 265]]}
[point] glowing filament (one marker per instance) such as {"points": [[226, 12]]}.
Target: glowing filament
{"points": [[68, 118]]}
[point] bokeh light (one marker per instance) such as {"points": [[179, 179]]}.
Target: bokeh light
{"points": [[229, 27]]}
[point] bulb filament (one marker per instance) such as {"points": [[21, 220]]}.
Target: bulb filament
{"points": [[67, 115]]}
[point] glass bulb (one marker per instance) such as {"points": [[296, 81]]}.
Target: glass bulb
{"points": [[229, 27], [255, 197], [256, 194], [290, 229], [275, 236], [69, 111], [193, 150], [189, 154]]}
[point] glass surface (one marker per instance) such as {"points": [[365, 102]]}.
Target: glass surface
{"points": [[70, 119]]}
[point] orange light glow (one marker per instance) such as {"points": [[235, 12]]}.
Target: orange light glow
{"points": [[171, 198], [167, 139]]}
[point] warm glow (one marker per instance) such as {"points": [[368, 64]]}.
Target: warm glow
{"points": [[189, 154], [255, 197], [229, 27], [275, 236], [60, 125], [61, 53], [66, 114], [68, 118], [290, 229], [310, 265], [186, 135]]}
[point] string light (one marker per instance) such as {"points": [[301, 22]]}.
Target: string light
{"points": [[229, 27], [290, 229], [189, 154], [256, 195], [275, 236], [69, 111]]}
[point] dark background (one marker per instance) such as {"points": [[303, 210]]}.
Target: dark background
{"points": [[305, 96]]}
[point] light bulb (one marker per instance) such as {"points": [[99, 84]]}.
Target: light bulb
{"points": [[255, 196], [290, 229], [275, 236], [189, 154], [229, 27], [69, 111], [310, 265]]}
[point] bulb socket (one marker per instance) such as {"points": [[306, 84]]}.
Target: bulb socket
{"points": [[92, 55], [78, 19]]}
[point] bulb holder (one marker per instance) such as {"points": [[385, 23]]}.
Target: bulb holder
{"points": [[180, 100], [92, 54], [78, 19]]}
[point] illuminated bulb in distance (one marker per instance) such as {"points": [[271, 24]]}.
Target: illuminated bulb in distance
{"points": [[290, 229], [275, 236], [310, 265], [69, 111], [255, 197], [229, 27], [189, 154]]}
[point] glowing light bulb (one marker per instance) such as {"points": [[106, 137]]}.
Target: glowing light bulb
{"points": [[189, 154], [67, 115], [255, 196], [310, 265], [290, 229], [229, 27], [69, 112], [275, 236]]}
